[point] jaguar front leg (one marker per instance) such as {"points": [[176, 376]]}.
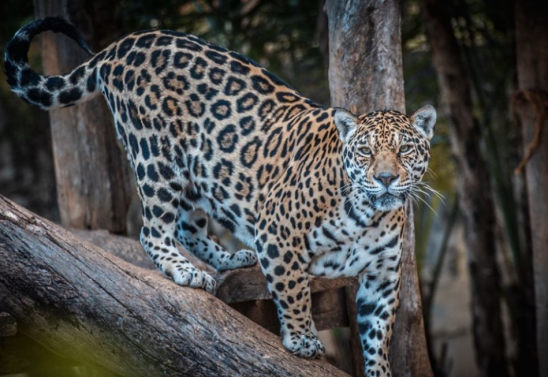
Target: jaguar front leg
{"points": [[285, 269], [377, 302]]}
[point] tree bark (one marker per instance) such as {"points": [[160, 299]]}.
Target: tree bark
{"points": [[532, 68], [365, 74], [90, 168], [473, 185], [8, 326], [86, 304]]}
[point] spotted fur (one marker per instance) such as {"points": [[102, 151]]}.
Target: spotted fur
{"points": [[208, 132]]}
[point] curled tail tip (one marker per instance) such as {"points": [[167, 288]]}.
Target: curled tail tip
{"points": [[60, 25], [18, 46], [41, 91]]}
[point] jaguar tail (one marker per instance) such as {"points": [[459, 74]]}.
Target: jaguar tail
{"points": [[48, 92]]}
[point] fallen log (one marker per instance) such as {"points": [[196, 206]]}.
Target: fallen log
{"points": [[243, 289], [87, 304]]}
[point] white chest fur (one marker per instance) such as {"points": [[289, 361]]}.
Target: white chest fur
{"points": [[346, 247]]}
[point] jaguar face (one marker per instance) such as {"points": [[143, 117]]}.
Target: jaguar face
{"points": [[386, 153]]}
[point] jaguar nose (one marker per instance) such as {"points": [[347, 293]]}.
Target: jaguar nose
{"points": [[386, 178]]}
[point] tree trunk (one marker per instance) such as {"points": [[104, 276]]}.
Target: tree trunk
{"points": [[90, 167], [84, 303], [365, 74], [532, 67], [473, 184]]}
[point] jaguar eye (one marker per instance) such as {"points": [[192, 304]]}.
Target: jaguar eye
{"points": [[366, 151], [405, 149]]}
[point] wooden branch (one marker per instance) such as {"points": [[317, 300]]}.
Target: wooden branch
{"points": [[84, 303]]}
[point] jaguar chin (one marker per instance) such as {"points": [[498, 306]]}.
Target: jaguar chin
{"points": [[388, 202]]}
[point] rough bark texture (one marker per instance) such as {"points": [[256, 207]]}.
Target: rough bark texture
{"points": [[365, 63], [473, 185], [90, 167], [8, 326], [532, 67], [409, 351], [365, 74], [129, 249], [84, 303]]}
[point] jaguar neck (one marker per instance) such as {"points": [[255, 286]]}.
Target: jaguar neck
{"points": [[358, 208]]}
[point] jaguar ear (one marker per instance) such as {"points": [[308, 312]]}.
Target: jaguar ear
{"points": [[346, 123], [424, 120]]}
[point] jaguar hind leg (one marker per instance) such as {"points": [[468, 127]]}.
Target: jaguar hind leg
{"points": [[157, 238], [192, 234]]}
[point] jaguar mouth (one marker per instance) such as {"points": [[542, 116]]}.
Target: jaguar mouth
{"points": [[387, 196], [388, 201]]}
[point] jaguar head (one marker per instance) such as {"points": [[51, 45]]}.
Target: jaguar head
{"points": [[386, 153]]}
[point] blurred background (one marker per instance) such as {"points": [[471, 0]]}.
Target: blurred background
{"points": [[290, 38]]}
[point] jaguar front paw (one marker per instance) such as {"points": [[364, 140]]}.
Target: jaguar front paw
{"points": [[307, 346], [241, 258], [193, 277], [244, 258]]}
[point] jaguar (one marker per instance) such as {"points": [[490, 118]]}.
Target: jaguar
{"points": [[311, 190]]}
